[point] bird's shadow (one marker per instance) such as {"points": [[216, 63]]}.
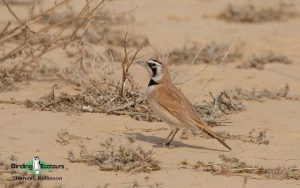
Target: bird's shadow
{"points": [[157, 140]]}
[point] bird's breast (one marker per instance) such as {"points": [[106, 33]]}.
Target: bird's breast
{"points": [[161, 111]]}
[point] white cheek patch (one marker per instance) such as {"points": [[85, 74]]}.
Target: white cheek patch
{"points": [[158, 75]]}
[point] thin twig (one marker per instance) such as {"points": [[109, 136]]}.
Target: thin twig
{"points": [[5, 29], [12, 12], [125, 65]]}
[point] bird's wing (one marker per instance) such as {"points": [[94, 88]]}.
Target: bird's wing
{"points": [[174, 101]]}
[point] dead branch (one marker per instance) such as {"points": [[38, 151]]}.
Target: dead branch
{"points": [[12, 12], [5, 29], [46, 39], [127, 62]]}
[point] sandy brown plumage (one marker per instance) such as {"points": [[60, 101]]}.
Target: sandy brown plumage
{"points": [[173, 101], [170, 103]]}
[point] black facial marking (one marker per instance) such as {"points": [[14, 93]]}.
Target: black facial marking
{"points": [[155, 61], [153, 67], [152, 83], [154, 70]]}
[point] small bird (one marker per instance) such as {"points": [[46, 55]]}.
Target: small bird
{"points": [[170, 104]]}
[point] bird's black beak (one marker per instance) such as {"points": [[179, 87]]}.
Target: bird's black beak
{"points": [[143, 63], [146, 66]]}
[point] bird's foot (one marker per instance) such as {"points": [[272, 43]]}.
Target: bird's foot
{"points": [[163, 145]]}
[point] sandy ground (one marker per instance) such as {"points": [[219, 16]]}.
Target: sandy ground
{"points": [[168, 24]]}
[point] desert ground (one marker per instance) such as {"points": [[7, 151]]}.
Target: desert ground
{"points": [[260, 123]]}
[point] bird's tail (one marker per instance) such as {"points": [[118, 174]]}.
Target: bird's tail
{"points": [[208, 130]]}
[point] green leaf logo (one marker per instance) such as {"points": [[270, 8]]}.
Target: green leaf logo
{"points": [[44, 167]]}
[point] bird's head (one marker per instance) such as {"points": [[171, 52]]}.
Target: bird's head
{"points": [[157, 70]]}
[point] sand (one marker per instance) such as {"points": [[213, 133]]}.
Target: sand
{"points": [[169, 24]]}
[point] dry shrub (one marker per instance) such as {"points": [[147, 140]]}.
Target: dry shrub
{"points": [[75, 33], [98, 100], [128, 60], [232, 166], [100, 92], [64, 137], [263, 95], [33, 43], [61, 28], [251, 14], [228, 102], [7, 80], [221, 105], [9, 77], [259, 61], [125, 158], [254, 136], [258, 137], [212, 52]]}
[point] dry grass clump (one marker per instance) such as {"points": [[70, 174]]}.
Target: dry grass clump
{"points": [[250, 14], [125, 158], [254, 136], [212, 52], [98, 100], [263, 95], [229, 101], [258, 137], [259, 61], [64, 137], [9, 77], [133, 102], [102, 95], [232, 166], [221, 105]]}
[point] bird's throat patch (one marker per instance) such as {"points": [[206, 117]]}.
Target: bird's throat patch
{"points": [[152, 82]]}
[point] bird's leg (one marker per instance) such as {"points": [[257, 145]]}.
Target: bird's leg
{"points": [[170, 134], [175, 132]]}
